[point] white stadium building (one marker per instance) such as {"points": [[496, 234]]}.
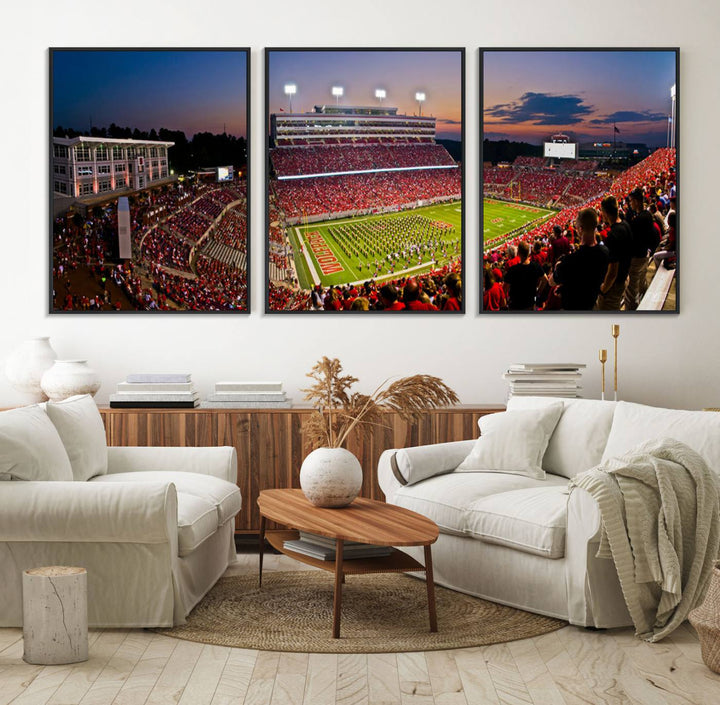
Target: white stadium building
{"points": [[90, 166]]}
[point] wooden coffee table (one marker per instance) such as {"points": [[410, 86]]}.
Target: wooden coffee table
{"points": [[365, 520]]}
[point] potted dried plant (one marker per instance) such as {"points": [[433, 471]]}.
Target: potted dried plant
{"points": [[331, 476]]}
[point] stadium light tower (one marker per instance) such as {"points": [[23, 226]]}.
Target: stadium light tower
{"points": [[380, 94], [290, 90], [337, 91], [420, 98], [672, 117]]}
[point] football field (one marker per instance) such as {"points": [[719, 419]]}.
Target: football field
{"points": [[377, 247], [500, 218]]}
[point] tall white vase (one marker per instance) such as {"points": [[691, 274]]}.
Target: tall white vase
{"points": [[66, 378], [331, 477], [27, 364]]}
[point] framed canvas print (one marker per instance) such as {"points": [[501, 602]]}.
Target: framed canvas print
{"points": [[149, 180], [364, 180], [579, 180]]}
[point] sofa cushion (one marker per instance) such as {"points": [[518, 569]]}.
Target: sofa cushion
{"points": [[532, 520], [223, 495], [421, 462], [81, 429], [30, 447], [636, 423], [446, 499], [513, 442], [580, 437], [197, 521]]}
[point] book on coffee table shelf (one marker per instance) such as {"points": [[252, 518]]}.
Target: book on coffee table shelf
{"points": [[326, 540], [323, 548]]}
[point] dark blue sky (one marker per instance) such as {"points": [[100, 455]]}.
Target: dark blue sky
{"points": [[192, 91], [529, 94], [401, 73]]}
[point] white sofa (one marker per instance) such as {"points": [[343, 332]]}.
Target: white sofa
{"points": [[529, 542], [154, 527]]}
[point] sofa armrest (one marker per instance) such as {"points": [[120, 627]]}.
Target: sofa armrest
{"points": [[88, 512], [406, 466], [594, 595], [219, 461], [583, 519]]}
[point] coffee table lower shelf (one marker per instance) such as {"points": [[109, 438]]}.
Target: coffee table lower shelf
{"points": [[396, 562]]}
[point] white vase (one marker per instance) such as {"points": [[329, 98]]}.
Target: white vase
{"points": [[26, 366], [66, 378], [331, 477]]}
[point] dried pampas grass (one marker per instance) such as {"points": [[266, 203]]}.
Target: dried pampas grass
{"points": [[338, 411]]}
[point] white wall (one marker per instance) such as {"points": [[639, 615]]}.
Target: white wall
{"points": [[666, 360]]}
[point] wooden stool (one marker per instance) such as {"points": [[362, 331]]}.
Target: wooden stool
{"points": [[55, 625]]}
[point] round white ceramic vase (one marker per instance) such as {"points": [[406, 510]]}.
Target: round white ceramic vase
{"points": [[25, 367], [331, 477], [66, 378]]}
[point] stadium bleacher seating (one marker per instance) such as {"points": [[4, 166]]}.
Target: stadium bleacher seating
{"points": [[168, 226], [655, 175]]}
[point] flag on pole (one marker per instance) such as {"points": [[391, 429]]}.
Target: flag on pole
{"points": [[615, 128]]}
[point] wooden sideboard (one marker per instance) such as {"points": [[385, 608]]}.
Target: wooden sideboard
{"points": [[270, 443]]}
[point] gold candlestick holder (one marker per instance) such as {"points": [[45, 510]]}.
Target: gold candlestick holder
{"points": [[615, 330], [603, 360]]}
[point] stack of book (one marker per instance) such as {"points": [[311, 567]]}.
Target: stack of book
{"points": [[323, 548], [155, 391], [247, 395], [545, 379]]}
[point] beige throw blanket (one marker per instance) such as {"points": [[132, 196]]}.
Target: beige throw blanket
{"points": [[659, 508]]}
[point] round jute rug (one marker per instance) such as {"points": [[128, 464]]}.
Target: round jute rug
{"points": [[380, 613]]}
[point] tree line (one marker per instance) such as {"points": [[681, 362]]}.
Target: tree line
{"points": [[507, 151]]}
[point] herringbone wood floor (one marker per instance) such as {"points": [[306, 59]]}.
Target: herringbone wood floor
{"points": [[136, 667]]}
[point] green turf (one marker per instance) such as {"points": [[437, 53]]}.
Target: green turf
{"points": [[350, 262], [500, 218]]}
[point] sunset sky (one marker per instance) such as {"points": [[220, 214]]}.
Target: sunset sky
{"points": [[401, 73], [192, 91], [528, 95]]}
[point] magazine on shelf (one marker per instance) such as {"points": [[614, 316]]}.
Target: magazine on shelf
{"points": [[544, 367], [158, 377], [528, 376], [155, 387], [248, 396], [248, 387], [155, 396], [326, 553], [326, 540]]}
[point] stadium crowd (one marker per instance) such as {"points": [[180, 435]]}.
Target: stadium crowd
{"points": [[438, 290], [536, 180], [295, 161], [610, 241], [165, 226], [364, 193]]}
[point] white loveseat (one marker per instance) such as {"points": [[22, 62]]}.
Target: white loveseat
{"points": [[529, 542], [154, 527]]}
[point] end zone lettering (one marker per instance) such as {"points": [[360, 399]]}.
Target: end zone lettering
{"points": [[323, 254]]}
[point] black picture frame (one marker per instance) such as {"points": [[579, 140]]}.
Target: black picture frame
{"points": [[116, 103], [328, 66], [523, 88]]}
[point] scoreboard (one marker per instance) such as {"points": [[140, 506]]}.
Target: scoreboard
{"points": [[560, 150], [225, 173]]}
